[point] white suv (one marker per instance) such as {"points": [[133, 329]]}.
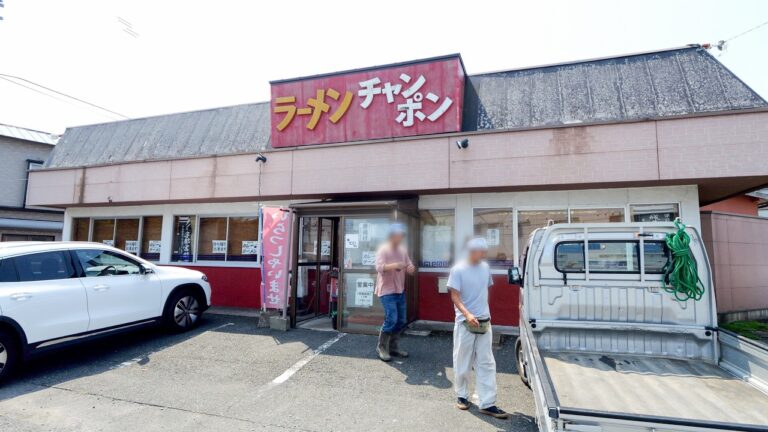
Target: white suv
{"points": [[56, 293]]}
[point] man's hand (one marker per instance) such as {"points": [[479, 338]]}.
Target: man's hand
{"points": [[472, 320], [411, 269]]}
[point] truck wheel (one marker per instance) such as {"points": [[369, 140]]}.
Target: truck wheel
{"points": [[9, 354], [522, 370]]}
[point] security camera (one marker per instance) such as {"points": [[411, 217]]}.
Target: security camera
{"points": [[261, 158], [462, 144]]}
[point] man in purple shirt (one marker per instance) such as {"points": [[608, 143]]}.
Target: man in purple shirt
{"points": [[392, 263]]}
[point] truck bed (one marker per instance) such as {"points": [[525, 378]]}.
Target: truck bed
{"points": [[653, 386]]}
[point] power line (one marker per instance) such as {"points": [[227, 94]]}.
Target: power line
{"points": [[721, 43], [6, 77]]}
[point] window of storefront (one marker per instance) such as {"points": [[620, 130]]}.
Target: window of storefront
{"points": [[151, 233], [183, 238], [216, 238], [530, 220], [497, 228], [81, 228], [653, 212], [104, 231], [243, 239], [597, 215], [212, 245], [139, 236], [127, 235], [437, 238]]}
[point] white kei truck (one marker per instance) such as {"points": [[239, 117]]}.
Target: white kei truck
{"points": [[605, 346]]}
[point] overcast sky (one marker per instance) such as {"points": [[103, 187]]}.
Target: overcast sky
{"points": [[187, 55]]}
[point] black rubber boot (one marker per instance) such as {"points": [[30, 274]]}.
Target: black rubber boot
{"points": [[393, 346], [382, 349]]}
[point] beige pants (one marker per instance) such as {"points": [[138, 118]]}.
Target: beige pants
{"points": [[474, 350]]}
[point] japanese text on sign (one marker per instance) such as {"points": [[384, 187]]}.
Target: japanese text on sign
{"points": [[275, 241], [400, 100]]}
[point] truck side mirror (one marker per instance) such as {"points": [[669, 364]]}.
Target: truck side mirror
{"points": [[514, 277]]}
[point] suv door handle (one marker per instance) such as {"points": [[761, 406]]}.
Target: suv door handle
{"points": [[100, 287], [21, 296]]}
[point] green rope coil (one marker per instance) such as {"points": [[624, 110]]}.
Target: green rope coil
{"points": [[681, 274]]}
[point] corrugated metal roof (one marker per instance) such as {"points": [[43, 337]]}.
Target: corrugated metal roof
{"points": [[219, 131], [28, 134], [659, 84]]}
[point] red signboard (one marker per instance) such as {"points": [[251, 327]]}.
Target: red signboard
{"points": [[417, 98]]}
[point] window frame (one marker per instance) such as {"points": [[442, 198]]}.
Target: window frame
{"points": [[196, 240], [499, 268], [453, 240], [641, 203], [115, 219]]}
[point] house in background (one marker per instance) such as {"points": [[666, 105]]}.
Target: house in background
{"points": [[22, 150]]}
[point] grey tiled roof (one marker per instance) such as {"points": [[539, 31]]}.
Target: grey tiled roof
{"points": [[653, 85], [659, 84]]}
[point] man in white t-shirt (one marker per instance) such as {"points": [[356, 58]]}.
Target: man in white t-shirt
{"points": [[468, 283]]}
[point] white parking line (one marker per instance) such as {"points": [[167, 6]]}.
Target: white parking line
{"points": [[303, 362]]}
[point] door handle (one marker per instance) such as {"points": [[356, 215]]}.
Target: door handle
{"points": [[100, 287], [21, 296]]}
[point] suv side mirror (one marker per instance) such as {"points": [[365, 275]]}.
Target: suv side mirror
{"points": [[514, 277], [143, 269]]}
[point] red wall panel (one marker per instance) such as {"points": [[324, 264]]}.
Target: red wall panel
{"points": [[233, 286], [434, 306]]}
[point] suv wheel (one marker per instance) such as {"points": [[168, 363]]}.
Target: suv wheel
{"points": [[183, 311], [9, 354]]}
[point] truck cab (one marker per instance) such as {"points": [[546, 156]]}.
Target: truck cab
{"points": [[605, 345]]}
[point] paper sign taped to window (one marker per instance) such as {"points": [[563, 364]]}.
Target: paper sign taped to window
{"points": [[131, 246], [369, 258], [250, 247], [325, 248], [493, 236], [218, 246], [364, 230], [351, 241], [364, 292], [154, 246], [109, 242]]}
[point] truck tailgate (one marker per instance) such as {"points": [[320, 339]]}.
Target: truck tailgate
{"points": [[653, 386]]}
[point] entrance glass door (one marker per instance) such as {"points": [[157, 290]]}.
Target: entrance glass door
{"points": [[315, 260], [361, 309]]}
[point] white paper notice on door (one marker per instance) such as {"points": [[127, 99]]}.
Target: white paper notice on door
{"points": [[364, 292], [250, 247], [325, 248], [154, 246], [493, 236], [131, 246], [351, 241], [218, 246], [369, 258], [364, 230]]}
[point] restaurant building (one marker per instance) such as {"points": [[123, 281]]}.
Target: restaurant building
{"points": [[642, 137]]}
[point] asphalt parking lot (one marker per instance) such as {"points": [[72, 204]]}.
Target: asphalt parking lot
{"points": [[229, 375]]}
